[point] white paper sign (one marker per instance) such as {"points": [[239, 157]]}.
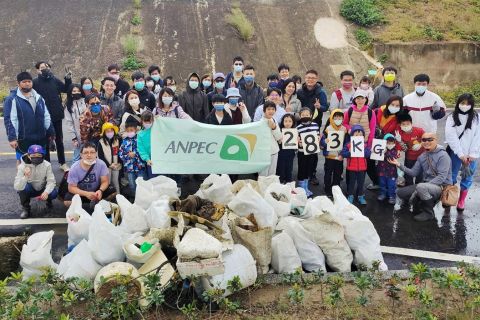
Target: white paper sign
{"points": [[310, 142], [378, 149], [357, 147], [335, 140], [289, 138]]}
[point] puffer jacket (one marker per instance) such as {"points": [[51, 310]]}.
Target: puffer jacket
{"points": [[41, 176], [91, 126], [194, 102]]}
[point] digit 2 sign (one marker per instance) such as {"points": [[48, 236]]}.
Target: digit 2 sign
{"points": [[289, 138], [335, 140], [310, 142]]}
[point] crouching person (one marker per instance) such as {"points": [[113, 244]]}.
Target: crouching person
{"points": [[34, 179], [435, 165]]}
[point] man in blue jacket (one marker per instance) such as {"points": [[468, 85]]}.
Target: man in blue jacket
{"points": [[26, 117]]}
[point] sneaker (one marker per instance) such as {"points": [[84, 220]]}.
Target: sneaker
{"points": [[314, 181], [350, 199], [381, 197], [398, 204], [372, 186], [25, 213], [361, 200], [392, 201], [65, 167]]}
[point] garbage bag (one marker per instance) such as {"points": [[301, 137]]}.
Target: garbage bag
{"points": [[79, 263], [310, 253], [217, 189], [36, 254], [285, 258], [150, 190], [157, 214], [360, 233], [298, 202], [196, 243], [133, 216], [328, 234], [239, 184], [238, 262], [265, 181], [78, 222], [139, 249], [279, 197], [104, 239], [249, 201], [317, 206]]}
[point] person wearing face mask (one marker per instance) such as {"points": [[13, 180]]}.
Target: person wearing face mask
{"points": [[387, 172], [121, 86], [251, 92], [218, 116], [93, 118], [133, 111], [462, 133], [150, 85], [365, 85], [435, 165], [144, 142], [170, 83], [235, 77], [108, 148], [26, 117], [50, 89], [389, 87], [193, 100], [89, 179], [74, 108], [110, 99], [359, 113], [154, 72], [87, 86], [268, 111], [128, 153], [206, 83], [425, 107], [169, 108], [34, 179], [387, 116], [342, 98], [146, 96], [218, 88], [235, 108]]}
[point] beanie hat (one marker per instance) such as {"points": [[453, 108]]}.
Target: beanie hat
{"points": [[24, 75]]}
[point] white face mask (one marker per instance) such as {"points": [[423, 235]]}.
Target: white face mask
{"points": [[134, 103], [393, 109], [464, 107], [89, 162], [147, 125], [150, 84], [338, 122], [406, 128], [110, 135], [390, 146], [364, 86]]}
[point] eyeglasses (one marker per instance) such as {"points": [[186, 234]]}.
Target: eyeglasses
{"points": [[427, 139], [114, 72]]}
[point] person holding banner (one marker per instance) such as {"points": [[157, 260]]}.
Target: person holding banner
{"points": [[144, 144], [269, 109], [219, 116], [357, 151], [387, 172], [286, 153], [332, 143]]}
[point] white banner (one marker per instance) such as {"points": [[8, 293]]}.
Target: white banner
{"points": [[378, 149], [310, 142]]}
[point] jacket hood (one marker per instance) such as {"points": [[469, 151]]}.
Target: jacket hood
{"points": [[188, 79], [438, 149], [357, 127], [332, 123]]}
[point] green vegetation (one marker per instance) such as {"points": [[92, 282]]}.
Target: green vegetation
{"points": [[365, 13], [364, 38], [238, 20], [4, 92], [136, 20], [130, 45], [132, 63], [450, 97], [137, 4]]}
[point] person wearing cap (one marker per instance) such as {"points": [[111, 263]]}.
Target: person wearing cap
{"points": [[218, 88], [108, 147], [34, 179], [235, 108], [93, 118], [193, 100], [359, 113], [387, 172], [147, 98], [219, 116], [251, 92], [274, 95], [26, 117]]}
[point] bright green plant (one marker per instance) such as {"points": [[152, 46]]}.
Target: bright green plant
{"points": [[239, 21], [136, 20], [334, 297], [296, 294], [364, 38], [137, 4], [190, 311], [363, 282], [365, 13], [433, 33], [392, 291]]}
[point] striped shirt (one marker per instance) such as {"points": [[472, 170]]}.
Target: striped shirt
{"points": [[305, 128]]}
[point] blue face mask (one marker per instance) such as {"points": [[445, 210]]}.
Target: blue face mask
{"points": [[193, 84], [273, 84], [87, 86], [249, 79], [420, 89], [219, 85], [139, 86], [233, 101], [238, 68], [156, 77], [218, 107], [206, 83], [96, 108]]}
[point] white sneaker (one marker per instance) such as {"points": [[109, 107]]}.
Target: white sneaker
{"points": [[372, 186], [65, 167], [398, 204]]}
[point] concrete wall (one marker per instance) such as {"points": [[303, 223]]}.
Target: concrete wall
{"points": [[447, 64]]}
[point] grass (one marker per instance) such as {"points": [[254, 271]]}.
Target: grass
{"points": [[364, 38], [450, 97], [130, 45], [136, 20], [239, 21], [365, 13], [137, 4]]}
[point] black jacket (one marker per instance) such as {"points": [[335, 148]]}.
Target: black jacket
{"points": [[147, 98], [50, 89], [122, 87], [308, 98], [252, 97], [194, 102], [212, 119]]}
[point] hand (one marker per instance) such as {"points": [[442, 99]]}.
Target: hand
{"points": [[394, 162], [131, 154], [464, 159], [13, 144], [76, 144], [149, 163], [91, 195], [44, 196], [471, 159], [242, 106], [398, 137], [98, 195], [317, 104], [327, 140], [28, 172], [436, 107], [340, 158], [271, 124], [288, 107], [68, 73], [416, 147]]}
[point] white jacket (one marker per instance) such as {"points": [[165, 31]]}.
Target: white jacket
{"points": [[41, 176], [420, 109], [469, 144], [276, 137], [73, 119]]}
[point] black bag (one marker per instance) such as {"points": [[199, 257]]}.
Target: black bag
{"points": [[63, 187]]}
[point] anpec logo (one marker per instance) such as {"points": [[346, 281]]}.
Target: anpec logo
{"points": [[238, 147]]}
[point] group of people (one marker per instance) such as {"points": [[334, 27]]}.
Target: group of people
{"points": [[110, 128]]}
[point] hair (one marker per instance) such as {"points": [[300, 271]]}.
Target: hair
{"points": [[305, 109], [148, 78], [472, 114], [168, 78], [90, 97], [272, 76], [69, 102], [206, 75], [296, 78], [82, 81], [37, 65], [283, 66], [113, 66], [128, 108], [87, 145], [366, 79], [288, 115], [312, 71], [137, 75], [347, 73], [218, 98], [237, 58], [249, 67], [422, 77], [389, 68], [130, 124], [355, 103], [147, 115], [404, 116], [164, 90], [286, 83], [153, 68], [107, 79], [270, 90], [386, 112], [269, 104], [104, 136]]}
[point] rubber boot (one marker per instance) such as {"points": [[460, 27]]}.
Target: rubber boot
{"points": [[25, 202], [427, 212], [461, 200], [309, 193], [301, 184]]}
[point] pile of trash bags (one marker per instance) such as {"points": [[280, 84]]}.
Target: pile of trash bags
{"points": [[244, 229]]}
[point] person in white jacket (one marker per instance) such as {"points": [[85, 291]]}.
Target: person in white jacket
{"points": [[269, 109], [75, 107], [34, 179], [462, 133]]}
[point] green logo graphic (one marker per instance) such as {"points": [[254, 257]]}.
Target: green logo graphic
{"points": [[234, 148]]}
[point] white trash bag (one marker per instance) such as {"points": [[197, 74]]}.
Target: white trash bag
{"points": [[79, 263], [36, 254], [157, 214], [285, 258], [196, 243], [265, 181], [318, 206], [78, 222], [360, 233], [105, 239], [151, 190], [217, 189], [133, 216], [279, 197], [249, 201], [298, 202]]}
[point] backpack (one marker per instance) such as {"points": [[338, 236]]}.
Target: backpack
{"points": [[370, 114]]}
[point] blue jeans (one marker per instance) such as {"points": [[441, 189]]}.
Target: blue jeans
{"points": [[466, 183], [132, 176], [76, 154], [148, 173], [32, 193], [388, 186], [356, 178]]}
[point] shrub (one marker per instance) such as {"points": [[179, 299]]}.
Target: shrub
{"points": [[131, 62], [136, 20], [238, 20], [130, 45], [450, 97], [433, 33], [363, 12], [364, 38], [137, 4]]}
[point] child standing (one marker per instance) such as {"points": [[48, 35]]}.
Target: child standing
{"points": [[306, 162], [387, 172], [269, 109], [133, 164], [108, 146], [356, 167], [286, 156], [143, 142], [333, 159]]}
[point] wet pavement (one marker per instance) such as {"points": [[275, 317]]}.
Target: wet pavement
{"points": [[449, 233]]}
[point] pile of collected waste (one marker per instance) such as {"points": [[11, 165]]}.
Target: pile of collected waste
{"points": [[224, 230]]}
